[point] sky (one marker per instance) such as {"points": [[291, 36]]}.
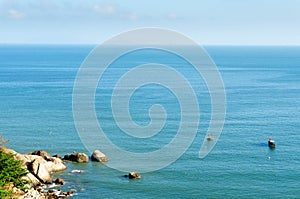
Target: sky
{"points": [[208, 22]]}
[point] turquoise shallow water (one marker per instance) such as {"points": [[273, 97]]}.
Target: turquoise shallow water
{"points": [[263, 100]]}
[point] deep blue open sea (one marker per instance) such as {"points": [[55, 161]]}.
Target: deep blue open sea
{"points": [[262, 86]]}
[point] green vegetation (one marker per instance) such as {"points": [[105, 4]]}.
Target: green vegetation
{"points": [[11, 173]]}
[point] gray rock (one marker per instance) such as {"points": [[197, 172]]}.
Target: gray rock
{"points": [[38, 169], [27, 159], [55, 165], [98, 156]]}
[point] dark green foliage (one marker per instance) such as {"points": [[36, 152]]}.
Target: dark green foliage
{"points": [[11, 173]]}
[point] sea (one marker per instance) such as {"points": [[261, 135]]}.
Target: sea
{"points": [[262, 86]]}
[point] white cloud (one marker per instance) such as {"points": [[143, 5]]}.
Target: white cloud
{"points": [[115, 12], [172, 16], [15, 14], [129, 16], [105, 10]]}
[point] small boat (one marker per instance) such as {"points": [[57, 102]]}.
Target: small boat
{"points": [[271, 143], [209, 138]]}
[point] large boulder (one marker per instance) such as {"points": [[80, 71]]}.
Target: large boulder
{"points": [[39, 169], [55, 165], [52, 164], [41, 153], [98, 156], [77, 157], [27, 159]]}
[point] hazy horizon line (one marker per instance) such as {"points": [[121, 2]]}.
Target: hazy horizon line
{"points": [[95, 44]]}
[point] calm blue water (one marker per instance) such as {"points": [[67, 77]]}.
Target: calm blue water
{"points": [[263, 100]]}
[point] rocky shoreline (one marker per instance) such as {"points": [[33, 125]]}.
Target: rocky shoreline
{"points": [[40, 166]]}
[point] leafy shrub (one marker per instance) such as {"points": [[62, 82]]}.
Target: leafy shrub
{"points": [[11, 173]]}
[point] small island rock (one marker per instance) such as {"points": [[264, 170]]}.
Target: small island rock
{"points": [[38, 168], [133, 175], [77, 157], [98, 156]]}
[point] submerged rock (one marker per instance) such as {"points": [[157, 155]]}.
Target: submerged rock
{"points": [[77, 157], [98, 156]]}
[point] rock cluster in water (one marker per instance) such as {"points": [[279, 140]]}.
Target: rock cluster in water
{"points": [[40, 165]]}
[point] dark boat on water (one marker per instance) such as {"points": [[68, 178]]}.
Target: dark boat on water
{"points": [[271, 143], [209, 138]]}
